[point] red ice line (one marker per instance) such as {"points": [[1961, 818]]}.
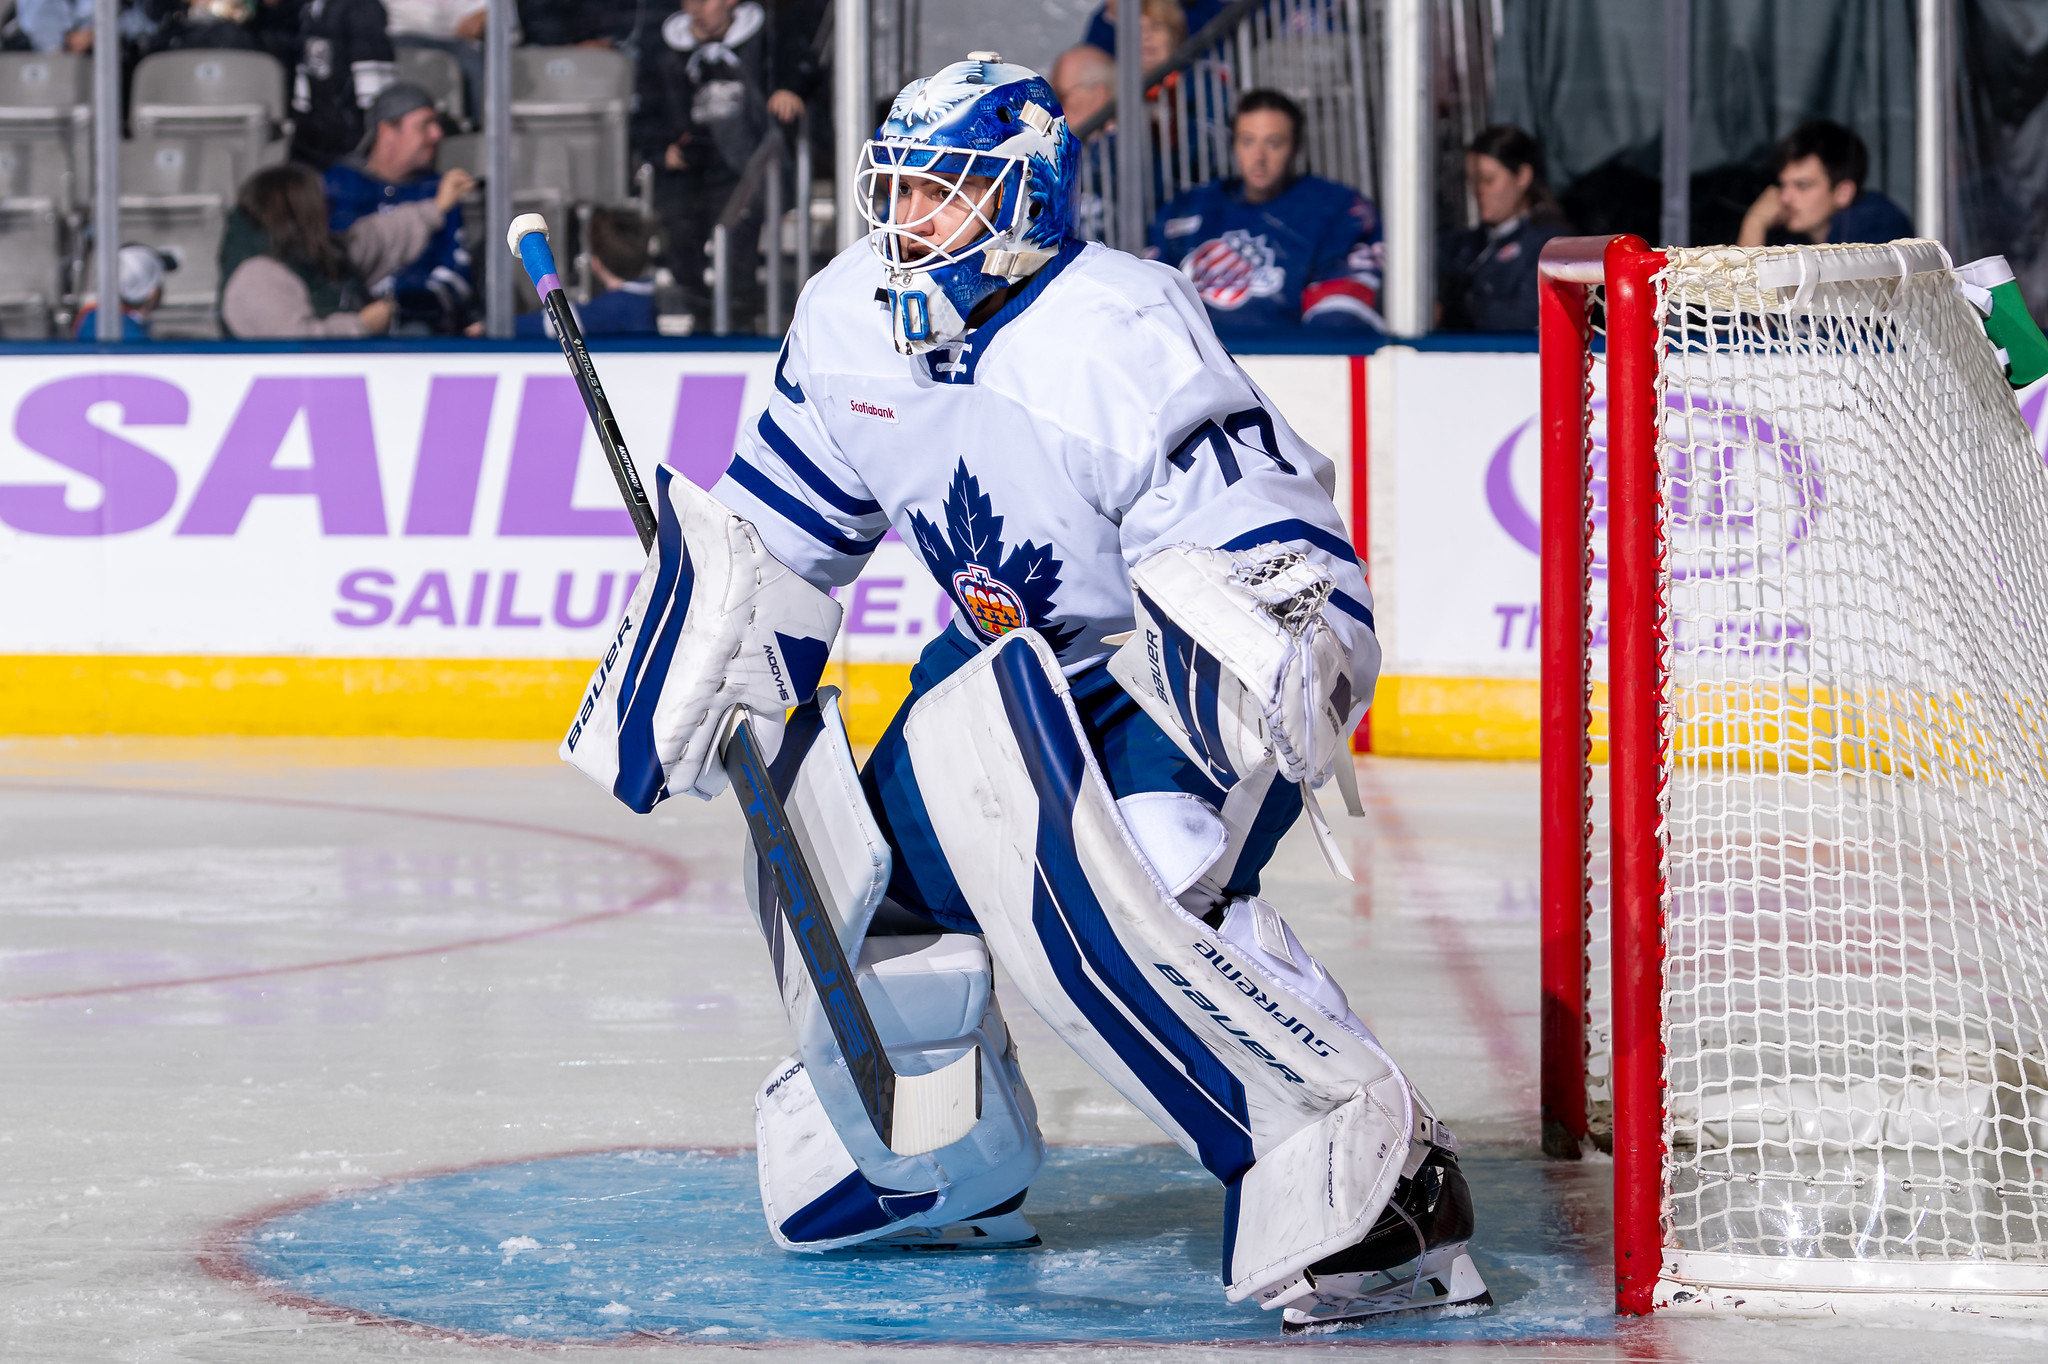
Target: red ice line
{"points": [[669, 887], [1504, 1044]]}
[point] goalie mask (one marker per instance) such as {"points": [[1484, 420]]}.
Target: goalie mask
{"points": [[967, 188]]}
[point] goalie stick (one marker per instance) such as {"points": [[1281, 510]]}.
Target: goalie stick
{"points": [[912, 1114]]}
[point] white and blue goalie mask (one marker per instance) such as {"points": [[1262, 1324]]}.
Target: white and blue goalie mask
{"points": [[967, 188]]}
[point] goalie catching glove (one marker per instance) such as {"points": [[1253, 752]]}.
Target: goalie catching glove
{"points": [[716, 622], [1233, 659]]}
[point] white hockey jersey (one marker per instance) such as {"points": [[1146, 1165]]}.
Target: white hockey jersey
{"points": [[1092, 419]]}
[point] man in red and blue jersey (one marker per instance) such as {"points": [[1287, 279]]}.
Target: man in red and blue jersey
{"points": [[1270, 250]]}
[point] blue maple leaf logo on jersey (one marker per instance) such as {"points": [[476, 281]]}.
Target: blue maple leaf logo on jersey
{"points": [[995, 592]]}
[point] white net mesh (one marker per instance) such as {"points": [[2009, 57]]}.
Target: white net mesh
{"points": [[1856, 915], [1599, 1041]]}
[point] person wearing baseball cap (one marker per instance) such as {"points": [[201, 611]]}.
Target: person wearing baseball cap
{"points": [[392, 165], [139, 273]]}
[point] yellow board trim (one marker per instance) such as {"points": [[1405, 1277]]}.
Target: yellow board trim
{"points": [[1767, 726], [448, 698], [1455, 717]]}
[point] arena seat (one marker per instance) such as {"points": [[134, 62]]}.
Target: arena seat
{"points": [[46, 127], [570, 107], [170, 200], [232, 101], [31, 267]]}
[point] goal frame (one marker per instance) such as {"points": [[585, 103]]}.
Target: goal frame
{"points": [[1658, 1261], [1568, 269]]}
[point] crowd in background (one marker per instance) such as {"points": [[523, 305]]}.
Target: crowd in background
{"points": [[360, 233]]}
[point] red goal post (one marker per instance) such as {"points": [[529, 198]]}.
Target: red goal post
{"points": [[1572, 268], [1795, 925]]}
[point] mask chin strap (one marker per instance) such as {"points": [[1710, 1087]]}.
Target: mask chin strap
{"points": [[920, 318]]}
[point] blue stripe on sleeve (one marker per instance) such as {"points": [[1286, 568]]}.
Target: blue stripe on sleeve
{"points": [[1353, 607], [795, 512], [1295, 530], [800, 464]]}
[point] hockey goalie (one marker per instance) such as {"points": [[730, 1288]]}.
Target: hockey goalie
{"points": [[1162, 642]]}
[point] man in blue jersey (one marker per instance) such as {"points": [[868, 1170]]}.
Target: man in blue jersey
{"points": [[395, 165], [1162, 642], [1270, 249]]}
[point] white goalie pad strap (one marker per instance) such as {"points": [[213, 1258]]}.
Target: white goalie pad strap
{"points": [[1232, 658], [716, 621], [826, 1178], [1192, 1030]]}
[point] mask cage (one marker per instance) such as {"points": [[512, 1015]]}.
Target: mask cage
{"points": [[887, 167]]}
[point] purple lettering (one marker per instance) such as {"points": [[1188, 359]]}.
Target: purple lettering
{"points": [[431, 598], [508, 592], [352, 591], [342, 479], [137, 488], [864, 602], [707, 424], [568, 619], [1509, 613], [542, 481], [451, 454], [479, 593]]}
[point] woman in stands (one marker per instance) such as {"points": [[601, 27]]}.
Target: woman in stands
{"points": [[1486, 275], [287, 275]]}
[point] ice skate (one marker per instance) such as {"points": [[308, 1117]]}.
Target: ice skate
{"points": [[1444, 1278], [1430, 1213], [1003, 1227]]}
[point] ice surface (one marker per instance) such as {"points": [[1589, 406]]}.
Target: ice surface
{"points": [[246, 986]]}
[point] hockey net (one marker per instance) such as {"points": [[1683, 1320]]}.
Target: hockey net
{"points": [[1832, 787]]}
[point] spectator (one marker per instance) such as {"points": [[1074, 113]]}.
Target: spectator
{"points": [[1270, 249], [271, 26], [393, 167], [800, 69], [1084, 78], [1820, 194], [703, 110], [346, 58], [139, 271], [618, 258], [1194, 14], [455, 27], [1486, 275], [285, 272], [589, 23], [66, 25]]}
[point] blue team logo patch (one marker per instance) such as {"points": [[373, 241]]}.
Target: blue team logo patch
{"points": [[996, 592]]}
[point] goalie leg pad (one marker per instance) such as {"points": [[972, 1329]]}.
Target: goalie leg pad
{"points": [[1305, 1123], [716, 621], [826, 1179]]}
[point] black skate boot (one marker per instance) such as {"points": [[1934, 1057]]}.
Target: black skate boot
{"points": [[1414, 1258]]}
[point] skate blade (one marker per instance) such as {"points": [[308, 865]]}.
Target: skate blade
{"points": [[1006, 1231], [1448, 1284]]}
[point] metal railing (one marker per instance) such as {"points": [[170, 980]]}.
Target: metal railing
{"points": [[1323, 54], [762, 178]]}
